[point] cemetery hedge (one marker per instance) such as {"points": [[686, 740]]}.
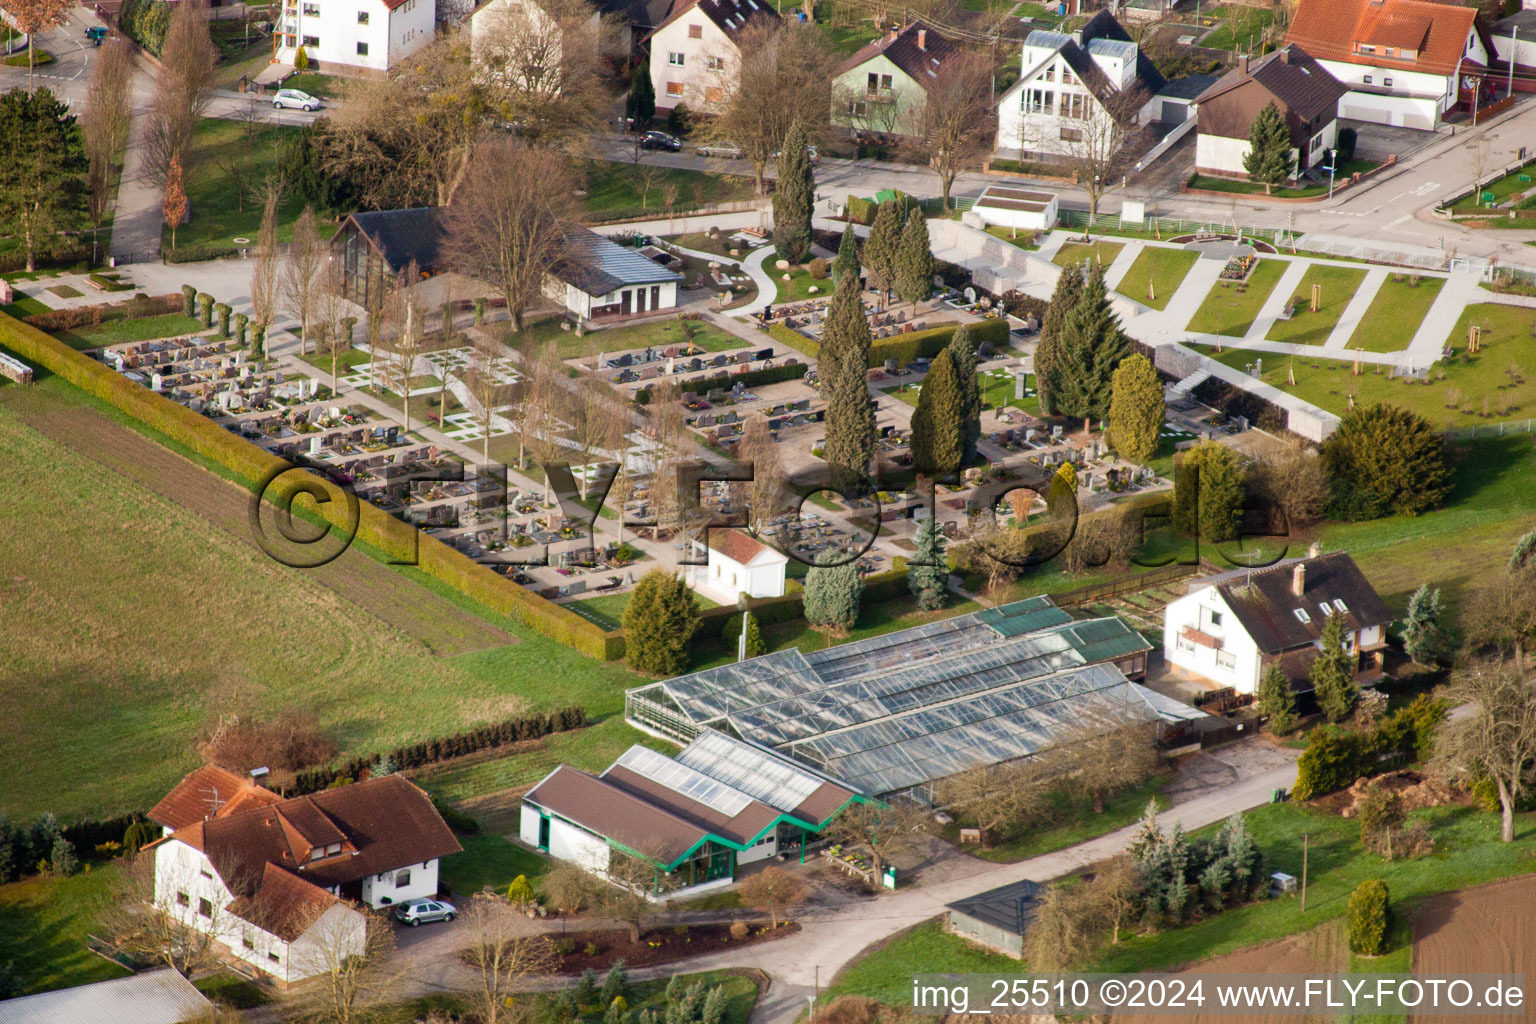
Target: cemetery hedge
{"points": [[878, 588], [749, 379], [89, 316], [903, 347]]}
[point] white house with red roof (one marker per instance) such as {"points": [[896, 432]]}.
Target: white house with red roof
{"points": [[738, 564], [277, 882], [695, 56], [366, 34]]}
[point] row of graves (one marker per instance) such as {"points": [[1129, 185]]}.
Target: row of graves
{"points": [[209, 375], [651, 364], [988, 308], [811, 537]]}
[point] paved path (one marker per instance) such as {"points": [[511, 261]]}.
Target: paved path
{"points": [[1275, 302], [1121, 265], [1337, 344]]}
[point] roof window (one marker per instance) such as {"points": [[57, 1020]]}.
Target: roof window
{"points": [[1302, 616], [1338, 603]]}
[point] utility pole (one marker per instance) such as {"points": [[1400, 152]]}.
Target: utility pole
{"points": [[1304, 838], [1514, 48]]}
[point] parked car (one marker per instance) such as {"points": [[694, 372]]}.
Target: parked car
{"points": [[661, 140], [425, 911], [723, 150], [815, 156], [296, 98], [96, 33]]}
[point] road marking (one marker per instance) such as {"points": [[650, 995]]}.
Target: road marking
{"points": [[1427, 187], [1395, 223]]}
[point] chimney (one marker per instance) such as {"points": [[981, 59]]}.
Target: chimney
{"points": [[259, 775], [922, 39], [1299, 579], [1242, 63], [1315, 550], [1285, 55]]}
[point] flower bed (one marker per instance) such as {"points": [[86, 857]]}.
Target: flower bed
{"points": [[1239, 267]]}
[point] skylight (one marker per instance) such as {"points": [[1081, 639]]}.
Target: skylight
{"points": [[1302, 616]]}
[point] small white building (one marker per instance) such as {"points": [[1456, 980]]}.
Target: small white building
{"points": [[738, 564], [695, 57], [601, 281], [1231, 627], [362, 34], [1017, 207], [277, 881]]}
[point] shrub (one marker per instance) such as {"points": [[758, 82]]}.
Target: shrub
{"points": [[205, 309], [290, 741], [1370, 913], [861, 211], [39, 58], [188, 300], [739, 930], [110, 284], [145, 22], [591, 949], [222, 310], [201, 253], [301, 60], [83, 316], [562, 946], [817, 268], [463, 824]]}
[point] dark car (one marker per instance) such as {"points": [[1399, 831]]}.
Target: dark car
{"points": [[661, 140]]}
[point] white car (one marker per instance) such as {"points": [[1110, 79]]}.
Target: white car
{"points": [[296, 98], [723, 150]]}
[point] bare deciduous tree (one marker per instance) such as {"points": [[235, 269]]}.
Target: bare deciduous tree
{"points": [[766, 495], [502, 955], [301, 273], [995, 796], [885, 831], [183, 90], [542, 70], [353, 974], [105, 123], [1498, 740], [773, 890], [487, 392], [957, 118], [1295, 483], [153, 922], [625, 898], [508, 226], [331, 310], [1503, 615], [1093, 145], [1063, 929], [265, 272], [1111, 754]]}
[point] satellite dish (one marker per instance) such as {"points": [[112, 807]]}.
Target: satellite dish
{"points": [[970, 294]]}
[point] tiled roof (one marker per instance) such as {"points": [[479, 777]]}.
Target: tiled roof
{"points": [[1296, 81], [739, 546], [919, 63], [616, 814], [730, 16], [598, 265], [1436, 32], [209, 791], [284, 904], [1266, 606]]}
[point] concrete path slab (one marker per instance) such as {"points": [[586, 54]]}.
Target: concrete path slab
{"points": [[1121, 265], [1337, 344], [1284, 289]]}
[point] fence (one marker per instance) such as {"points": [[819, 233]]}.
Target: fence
{"points": [[935, 207], [1507, 427], [1374, 254], [1165, 226], [1128, 584]]}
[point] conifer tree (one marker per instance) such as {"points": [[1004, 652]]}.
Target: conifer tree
{"points": [[793, 196], [731, 633], [640, 104], [843, 367], [1135, 409], [1208, 492], [847, 260], [928, 572], [832, 595], [1332, 680], [659, 620], [938, 427], [1268, 160], [1423, 636], [1092, 345], [881, 247], [962, 348], [1048, 354], [1276, 701], [914, 260]]}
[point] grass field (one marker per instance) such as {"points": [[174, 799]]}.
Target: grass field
{"points": [[489, 860], [1502, 374], [106, 690], [1300, 191], [1076, 823], [43, 925], [214, 197], [657, 334], [614, 189], [1101, 252], [1241, 27], [608, 610], [144, 328], [1395, 313], [798, 287], [1502, 189], [1305, 327], [884, 972], [1022, 239], [345, 362], [1155, 275], [1229, 311]]}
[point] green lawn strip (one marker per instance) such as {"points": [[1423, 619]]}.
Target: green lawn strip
{"points": [[1305, 327], [1467, 853], [143, 328], [614, 189], [874, 620], [1396, 312], [1024, 239], [25, 305], [489, 860], [1501, 188], [219, 212], [1155, 275], [1231, 308], [1345, 171], [346, 363], [657, 334], [232, 990], [727, 900], [1484, 377], [323, 86], [798, 287], [1242, 33], [1101, 252], [884, 972], [607, 610], [1075, 822], [43, 924]]}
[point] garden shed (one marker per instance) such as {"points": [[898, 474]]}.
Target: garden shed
{"points": [[999, 917]]}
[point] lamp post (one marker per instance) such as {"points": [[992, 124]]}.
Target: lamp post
{"points": [[1333, 163], [1514, 51]]}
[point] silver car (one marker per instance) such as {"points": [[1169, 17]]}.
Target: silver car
{"points": [[418, 911], [296, 98], [723, 150]]}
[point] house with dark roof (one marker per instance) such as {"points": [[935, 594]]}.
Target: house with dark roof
{"points": [[695, 51], [1230, 628], [1405, 62], [997, 918], [598, 280], [1306, 95], [883, 88], [1076, 92], [276, 881], [683, 824], [737, 563]]}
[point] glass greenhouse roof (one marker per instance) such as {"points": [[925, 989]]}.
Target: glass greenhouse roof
{"points": [[770, 778]]}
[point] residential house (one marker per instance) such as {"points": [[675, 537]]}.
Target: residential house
{"points": [[1077, 94], [160, 996], [883, 87], [1230, 628], [210, 791], [598, 280], [369, 35], [695, 59], [634, 21], [1514, 38], [997, 918], [738, 563], [681, 825], [1408, 63], [277, 882], [1306, 95]]}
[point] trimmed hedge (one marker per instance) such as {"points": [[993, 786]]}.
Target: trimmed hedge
{"points": [[200, 253], [89, 316], [878, 588], [77, 259], [903, 348], [750, 379], [862, 211]]}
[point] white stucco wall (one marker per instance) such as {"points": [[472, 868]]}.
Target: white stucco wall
{"points": [[581, 304], [1415, 100], [389, 35], [1234, 664], [764, 848], [694, 76], [1019, 130], [1218, 153], [566, 841], [1522, 48], [383, 890]]}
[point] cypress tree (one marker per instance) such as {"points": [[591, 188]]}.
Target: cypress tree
{"points": [[847, 260], [1268, 160], [1048, 356], [1208, 492], [927, 582], [731, 633], [1332, 681], [1383, 458], [914, 260], [843, 366], [1135, 409], [881, 246], [640, 104], [938, 425], [660, 619], [1091, 346], [832, 595], [962, 348], [1276, 701], [793, 196]]}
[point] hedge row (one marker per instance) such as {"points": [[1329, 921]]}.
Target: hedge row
{"points": [[878, 588], [385, 534], [750, 379], [200, 253], [77, 258], [414, 755], [1335, 757], [88, 834], [83, 316], [903, 348]]}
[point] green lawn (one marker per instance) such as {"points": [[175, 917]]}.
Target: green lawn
{"points": [[614, 190], [1101, 252], [489, 860], [658, 334], [1501, 188], [1396, 312], [219, 215], [996, 392], [607, 610], [1230, 309], [1457, 400], [884, 972], [348, 360], [1024, 240], [798, 287], [1306, 191], [1242, 28], [323, 86], [848, 28], [25, 305], [1155, 275], [144, 328], [1305, 327], [43, 925], [1076, 823]]}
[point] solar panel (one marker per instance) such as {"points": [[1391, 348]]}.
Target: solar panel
{"points": [[680, 778]]}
